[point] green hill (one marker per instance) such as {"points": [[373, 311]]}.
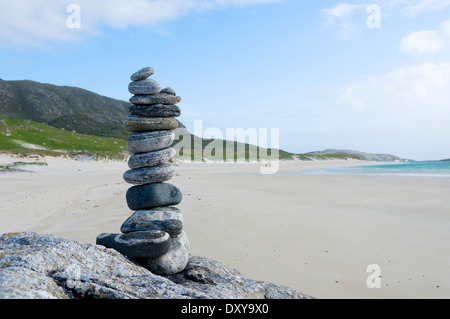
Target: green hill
{"points": [[198, 149], [20, 136], [71, 108], [77, 110]]}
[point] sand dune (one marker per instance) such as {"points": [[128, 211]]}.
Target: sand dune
{"points": [[314, 233]]}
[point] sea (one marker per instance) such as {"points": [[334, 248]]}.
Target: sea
{"points": [[425, 168]]}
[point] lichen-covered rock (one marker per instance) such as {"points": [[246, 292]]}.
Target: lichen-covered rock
{"points": [[36, 266], [222, 282]]}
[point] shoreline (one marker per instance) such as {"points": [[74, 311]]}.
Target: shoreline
{"points": [[314, 233]]}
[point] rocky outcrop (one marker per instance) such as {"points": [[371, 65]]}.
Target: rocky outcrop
{"points": [[36, 266]]}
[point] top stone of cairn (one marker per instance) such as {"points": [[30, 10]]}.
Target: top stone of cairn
{"points": [[142, 74]]}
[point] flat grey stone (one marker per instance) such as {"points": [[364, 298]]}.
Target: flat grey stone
{"points": [[142, 74], [156, 110], [151, 158], [169, 90], [153, 195], [147, 175], [150, 141], [172, 262], [168, 219], [135, 123], [143, 244], [151, 99], [147, 86]]}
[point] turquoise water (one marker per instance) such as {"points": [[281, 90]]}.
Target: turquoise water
{"points": [[429, 168]]}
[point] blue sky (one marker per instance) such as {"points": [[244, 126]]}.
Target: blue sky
{"points": [[314, 69]]}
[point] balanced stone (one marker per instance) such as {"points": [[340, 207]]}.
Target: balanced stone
{"points": [[153, 234], [156, 110], [151, 158], [168, 219], [147, 86], [142, 244], [150, 141], [153, 195], [172, 262], [147, 175], [169, 90], [134, 123], [142, 74], [158, 98]]}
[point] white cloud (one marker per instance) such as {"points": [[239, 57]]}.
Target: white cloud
{"points": [[350, 18], [419, 91], [341, 18], [28, 24], [31, 23], [405, 112], [425, 5], [445, 29], [422, 42], [341, 11], [427, 42]]}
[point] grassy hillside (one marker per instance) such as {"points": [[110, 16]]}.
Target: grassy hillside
{"points": [[327, 156], [20, 136], [71, 108], [197, 149]]}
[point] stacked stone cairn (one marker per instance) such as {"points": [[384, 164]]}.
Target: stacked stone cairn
{"points": [[153, 235]]}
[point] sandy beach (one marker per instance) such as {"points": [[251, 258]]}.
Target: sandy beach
{"points": [[314, 233]]}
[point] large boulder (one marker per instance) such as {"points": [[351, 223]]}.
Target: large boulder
{"points": [[34, 266]]}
